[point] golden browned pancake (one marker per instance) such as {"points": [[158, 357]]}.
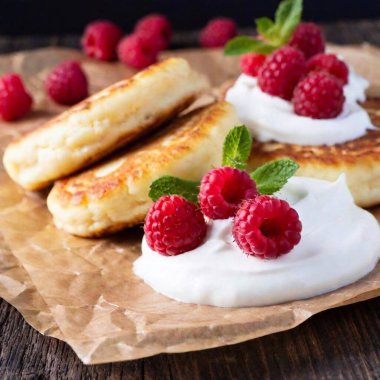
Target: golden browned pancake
{"points": [[102, 123], [359, 159], [114, 195]]}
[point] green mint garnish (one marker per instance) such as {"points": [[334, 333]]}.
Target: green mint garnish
{"points": [[272, 176], [168, 185], [276, 33], [269, 177], [244, 44], [237, 147]]}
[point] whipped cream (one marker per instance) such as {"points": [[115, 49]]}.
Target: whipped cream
{"points": [[273, 118], [340, 244]]}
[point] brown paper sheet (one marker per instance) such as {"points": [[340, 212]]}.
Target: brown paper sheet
{"points": [[84, 292]]}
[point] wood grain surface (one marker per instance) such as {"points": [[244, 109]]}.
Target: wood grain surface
{"points": [[342, 343]]}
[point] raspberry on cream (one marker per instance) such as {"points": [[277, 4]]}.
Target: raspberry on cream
{"points": [[272, 118], [340, 244]]}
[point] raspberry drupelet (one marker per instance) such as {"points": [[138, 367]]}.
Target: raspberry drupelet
{"points": [[174, 225], [15, 101], [281, 72], [266, 227], [222, 191]]}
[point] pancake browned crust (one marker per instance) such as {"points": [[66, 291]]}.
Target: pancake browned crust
{"points": [[102, 123], [359, 159], [114, 195]]}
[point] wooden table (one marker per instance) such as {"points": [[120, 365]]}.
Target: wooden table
{"points": [[337, 344]]}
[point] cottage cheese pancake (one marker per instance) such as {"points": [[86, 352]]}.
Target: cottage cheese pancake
{"points": [[102, 123], [114, 195]]}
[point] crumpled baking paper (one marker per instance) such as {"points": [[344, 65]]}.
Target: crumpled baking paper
{"points": [[84, 291]]}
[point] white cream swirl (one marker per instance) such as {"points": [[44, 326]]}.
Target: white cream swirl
{"points": [[272, 118], [340, 244]]}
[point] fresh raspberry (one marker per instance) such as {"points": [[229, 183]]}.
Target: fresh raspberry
{"points": [[217, 32], [331, 64], [250, 63], [308, 38], [157, 29], [136, 52], [15, 101], [281, 72], [173, 226], [319, 96], [100, 40], [266, 227], [67, 83], [222, 191], [154, 41]]}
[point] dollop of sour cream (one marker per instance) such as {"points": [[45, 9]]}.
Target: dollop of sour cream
{"points": [[273, 118], [340, 244]]}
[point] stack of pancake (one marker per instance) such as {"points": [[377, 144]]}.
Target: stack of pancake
{"points": [[92, 200]]}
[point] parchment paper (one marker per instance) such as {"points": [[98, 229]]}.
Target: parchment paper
{"points": [[83, 291]]}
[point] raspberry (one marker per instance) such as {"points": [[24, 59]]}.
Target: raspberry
{"points": [[308, 38], [331, 64], [15, 101], [250, 63], [173, 226], [156, 29], [100, 40], [266, 227], [67, 83], [281, 72], [135, 51], [222, 191], [217, 32], [319, 96]]}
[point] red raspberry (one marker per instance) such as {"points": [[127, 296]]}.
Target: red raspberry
{"points": [[308, 38], [331, 64], [217, 32], [266, 227], [250, 63], [173, 226], [281, 72], [135, 51], [319, 96], [15, 101], [100, 40], [67, 83], [156, 28], [222, 191]]}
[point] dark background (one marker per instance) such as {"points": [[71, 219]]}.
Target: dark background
{"points": [[26, 17]]}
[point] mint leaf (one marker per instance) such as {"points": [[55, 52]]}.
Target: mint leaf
{"points": [[244, 44], [168, 185], [237, 147], [265, 27], [288, 16], [273, 175]]}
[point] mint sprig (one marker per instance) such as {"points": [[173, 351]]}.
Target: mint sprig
{"points": [[237, 147], [269, 178], [272, 176], [275, 33], [168, 185]]}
